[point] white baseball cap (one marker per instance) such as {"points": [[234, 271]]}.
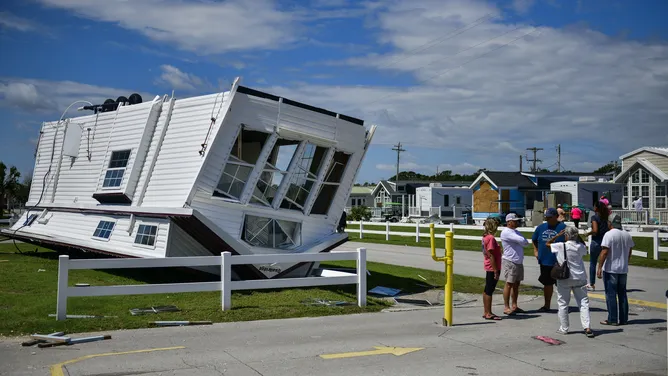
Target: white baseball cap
{"points": [[512, 217]]}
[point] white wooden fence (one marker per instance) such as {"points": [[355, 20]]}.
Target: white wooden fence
{"points": [[225, 285], [656, 248]]}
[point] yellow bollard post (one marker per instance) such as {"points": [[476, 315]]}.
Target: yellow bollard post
{"points": [[432, 242], [449, 261]]}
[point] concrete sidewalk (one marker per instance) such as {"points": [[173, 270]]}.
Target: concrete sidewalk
{"points": [[648, 284], [294, 347]]}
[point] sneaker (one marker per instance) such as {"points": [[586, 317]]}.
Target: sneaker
{"points": [[561, 331], [589, 333]]}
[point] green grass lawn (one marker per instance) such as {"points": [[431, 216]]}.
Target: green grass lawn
{"points": [[642, 244], [28, 296]]}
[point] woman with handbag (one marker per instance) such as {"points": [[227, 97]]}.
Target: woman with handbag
{"points": [[569, 271]]}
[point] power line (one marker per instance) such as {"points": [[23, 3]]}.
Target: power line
{"points": [[436, 41]]}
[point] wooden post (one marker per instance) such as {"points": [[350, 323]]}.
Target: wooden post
{"points": [[361, 277], [63, 276], [225, 279]]}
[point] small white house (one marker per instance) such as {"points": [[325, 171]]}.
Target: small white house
{"points": [[586, 192], [241, 171], [452, 201]]}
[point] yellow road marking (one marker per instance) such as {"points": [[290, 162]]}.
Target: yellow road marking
{"points": [[380, 350], [57, 369], [635, 302]]}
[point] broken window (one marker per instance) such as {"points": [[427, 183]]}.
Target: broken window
{"points": [[331, 183], [304, 177], [271, 233], [274, 171], [243, 157], [114, 175]]}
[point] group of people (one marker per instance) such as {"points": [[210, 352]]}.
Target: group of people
{"points": [[555, 243]]}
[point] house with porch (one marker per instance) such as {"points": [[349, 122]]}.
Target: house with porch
{"points": [[645, 174], [359, 196], [399, 199]]}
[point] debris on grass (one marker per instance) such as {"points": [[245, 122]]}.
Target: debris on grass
{"points": [[420, 302], [180, 323], [156, 309], [59, 339], [83, 316], [385, 291], [325, 302]]}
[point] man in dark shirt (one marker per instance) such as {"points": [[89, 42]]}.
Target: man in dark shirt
{"points": [[547, 259]]}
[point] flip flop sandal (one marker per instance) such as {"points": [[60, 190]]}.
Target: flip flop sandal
{"points": [[492, 317], [519, 310]]}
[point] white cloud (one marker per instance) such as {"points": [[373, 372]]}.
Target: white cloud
{"points": [[522, 6], [202, 27], [11, 21], [406, 166], [173, 78], [596, 95], [429, 169], [30, 95]]}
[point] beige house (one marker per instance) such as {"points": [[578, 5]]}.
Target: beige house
{"points": [[645, 175]]}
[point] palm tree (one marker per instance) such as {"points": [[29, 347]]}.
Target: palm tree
{"points": [[9, 184]]}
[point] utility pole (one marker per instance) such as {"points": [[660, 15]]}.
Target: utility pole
{"points": [[398, 149], [520, 163], [559, 158], [534, 160]]}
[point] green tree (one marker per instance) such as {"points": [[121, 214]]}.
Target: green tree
{"points": [[610, 167], [23, 190], [9, 184]]}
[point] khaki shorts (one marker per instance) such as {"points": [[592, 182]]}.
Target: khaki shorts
{"points": [[512, 272]]}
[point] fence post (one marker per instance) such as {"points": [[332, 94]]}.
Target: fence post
{"points": [[655, 244], [452, 228], [225, 279], [361, 277], [417, 231], [361, 229], [63, 276], [387, 230]]}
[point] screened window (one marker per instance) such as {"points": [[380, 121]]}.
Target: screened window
{"points": [[114, 175], [104, 229], [304, 177], [243, 157], [329, 187], [146, 235], [271, 233]]}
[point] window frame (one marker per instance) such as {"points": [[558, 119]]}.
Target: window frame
{"points": [[116, 168], [268, 167], [305, 174], [664, 197], [111, 230], [136, 232], [272, 222]]}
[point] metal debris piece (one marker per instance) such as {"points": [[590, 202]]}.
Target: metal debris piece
{"points": [[83, 316], [387, 291], [74, 341], [423, 278], [420, 302], [36, 341], [82, 285], [156, 309], [181, 323], [324, 302]]}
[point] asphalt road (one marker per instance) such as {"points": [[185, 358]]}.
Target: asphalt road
{"points": [[648, 284]]}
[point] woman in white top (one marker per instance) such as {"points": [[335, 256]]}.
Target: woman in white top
{"points": [[574, 249]]}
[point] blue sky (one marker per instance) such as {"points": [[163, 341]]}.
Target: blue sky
{"points": [[463, 84]]}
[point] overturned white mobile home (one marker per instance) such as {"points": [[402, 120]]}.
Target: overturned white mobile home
{"points": [[241, 171]]}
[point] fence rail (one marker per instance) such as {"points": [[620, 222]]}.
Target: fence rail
{"points": [[225, 285], [654, 235]]}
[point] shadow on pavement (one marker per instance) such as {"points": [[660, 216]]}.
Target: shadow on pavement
{"points": [[646, 321]]}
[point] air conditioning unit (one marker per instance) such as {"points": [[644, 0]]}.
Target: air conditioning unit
{"points": [[432, 185]]}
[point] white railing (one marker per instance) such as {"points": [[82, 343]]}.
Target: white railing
{"points": [[662, 217], [414, 211], [656, 245], [435, 210], [225, 285], [634, 217]]}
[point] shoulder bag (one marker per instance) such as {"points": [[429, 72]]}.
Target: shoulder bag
{"points": [[561, 271]]}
